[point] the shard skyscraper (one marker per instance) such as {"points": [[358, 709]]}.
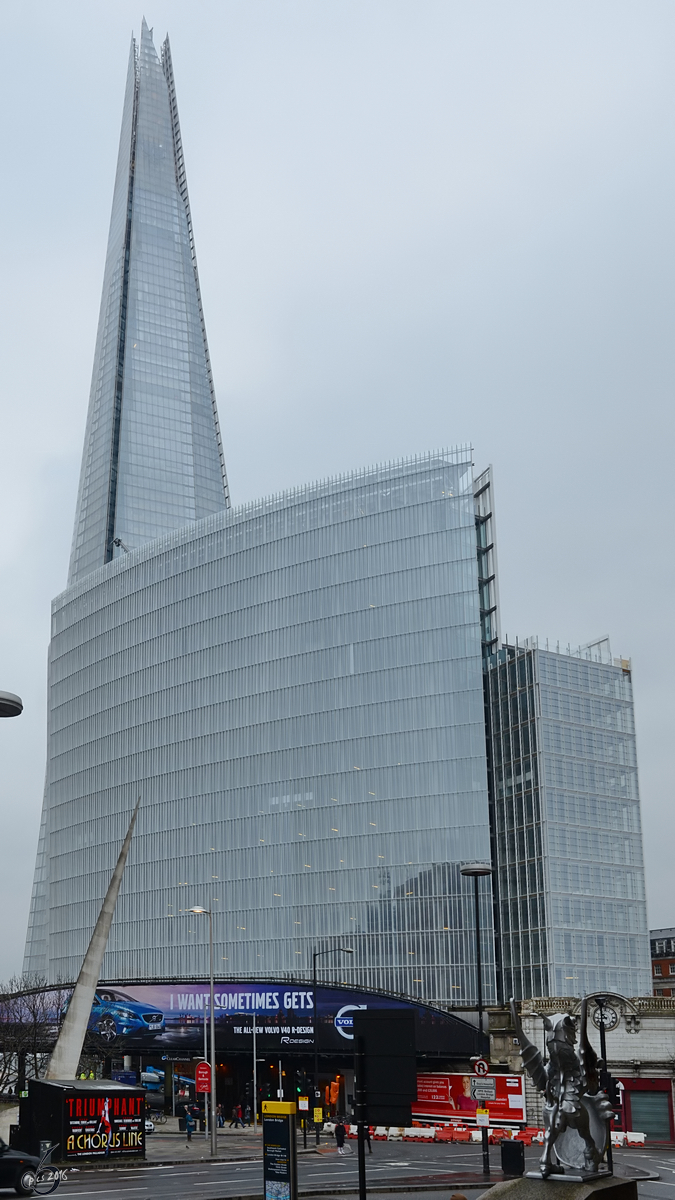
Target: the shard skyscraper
{"points": [[153, 458], [294, 687]]}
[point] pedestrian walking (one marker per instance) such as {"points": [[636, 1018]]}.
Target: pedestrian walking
{"points": [[189, 1127], [340, 1135], [234, 1116], [240, 1117], [366, 1137], [247, 1115], [219, 1116]]}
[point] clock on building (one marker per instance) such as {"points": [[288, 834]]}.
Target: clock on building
{"points": [[606, 1016]]}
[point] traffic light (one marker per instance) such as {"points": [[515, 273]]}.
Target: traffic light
{"points": [[248, 1090], [301, 1082], [611, 1086]]}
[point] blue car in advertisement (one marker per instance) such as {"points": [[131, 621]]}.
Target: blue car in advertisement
{"points": [[115, 1016]]}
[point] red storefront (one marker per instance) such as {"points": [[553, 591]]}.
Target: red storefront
{"points": [[648, 1108]]}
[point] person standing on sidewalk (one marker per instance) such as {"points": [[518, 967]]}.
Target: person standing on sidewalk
{"points": [[340, 1135], [189, 1127]]}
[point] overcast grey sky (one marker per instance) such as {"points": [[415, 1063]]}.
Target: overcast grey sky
{"points": [[417, 223]]}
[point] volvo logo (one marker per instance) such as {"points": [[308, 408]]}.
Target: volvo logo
{"points": [[344, 1021]]}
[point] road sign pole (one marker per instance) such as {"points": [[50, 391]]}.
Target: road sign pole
{"points": [[600, 1001], [361, 1114], [206, 1093], [482, 1092], [303, 1109], [486, 1151], [255, 1079]]}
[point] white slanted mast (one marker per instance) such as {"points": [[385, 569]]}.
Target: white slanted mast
{"points": [[65, 1057]]}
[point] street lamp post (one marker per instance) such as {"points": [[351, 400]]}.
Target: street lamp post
{"points": [[10, 705], [214, 1133], [474, 871], [319, 954], [601, 1001]]}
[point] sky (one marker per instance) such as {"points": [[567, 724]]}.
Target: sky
{"points": [[418, 223]]}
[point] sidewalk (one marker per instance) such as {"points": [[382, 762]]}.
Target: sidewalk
{"points": [[166, 1144]]}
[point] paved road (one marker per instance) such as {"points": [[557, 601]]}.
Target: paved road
{"points": [[391, 1164]]}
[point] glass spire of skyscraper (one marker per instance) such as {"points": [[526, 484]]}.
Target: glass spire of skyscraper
{"points": [[153, 458]]}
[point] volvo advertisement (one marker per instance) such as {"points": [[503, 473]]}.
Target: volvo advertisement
{"points": [[168, 1017]]}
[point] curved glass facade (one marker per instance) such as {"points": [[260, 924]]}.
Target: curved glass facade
{"points": [[295, 690]]}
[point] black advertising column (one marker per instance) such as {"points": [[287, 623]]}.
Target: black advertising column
{"points": [[280, 1164], [385, 1073]]}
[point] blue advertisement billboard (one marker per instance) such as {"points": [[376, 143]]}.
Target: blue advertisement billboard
{"points": [[170, 1016]]}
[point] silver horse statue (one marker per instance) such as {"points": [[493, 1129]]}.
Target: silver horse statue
{"points": [[576, 1112]]}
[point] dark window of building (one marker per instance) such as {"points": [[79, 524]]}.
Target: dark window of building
{"points": [[650, 1113]]}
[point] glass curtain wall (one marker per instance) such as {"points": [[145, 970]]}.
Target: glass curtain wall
{"points": [[294, 688], [566, 820], [152, 458]]}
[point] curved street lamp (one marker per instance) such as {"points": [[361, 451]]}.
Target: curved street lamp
{"points": [[10, 705], [319, 954], [474, 871], [214, 1133]]}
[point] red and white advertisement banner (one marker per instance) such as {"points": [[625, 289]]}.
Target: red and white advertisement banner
{"points": [[456, 1098], [203, 1077]]}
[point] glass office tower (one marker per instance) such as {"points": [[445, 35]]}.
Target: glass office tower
{"points": [[566, 822], [294, 688], [152, 456]]}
